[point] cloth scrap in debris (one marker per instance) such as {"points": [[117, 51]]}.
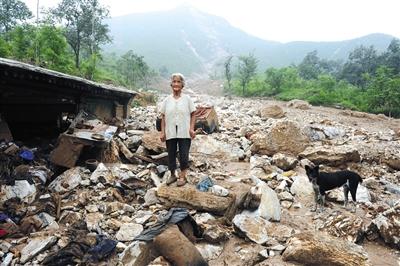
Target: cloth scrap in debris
{"points": [[27, 155], [102, 250], [204, 184], [174, 216], [3, 217], [71, 254]]}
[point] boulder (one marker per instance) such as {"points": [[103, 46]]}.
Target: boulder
{"points": [[312, 248], [298, 104], [271, 111], [301, 187], [331, 155], [284, 136], [284, 162], [253, 227], [151, 141]]}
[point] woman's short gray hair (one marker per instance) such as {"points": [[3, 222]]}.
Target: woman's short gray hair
{"points": [[180, 75]]}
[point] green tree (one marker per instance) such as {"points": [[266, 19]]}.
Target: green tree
{"points": [[246, 70], [363, 61], [53, 49], [274, 78], [11, 13], [4, 48], [84, 28], [134, 70], [21, 42], [384, 92], [228, 71], [309, 68], [392, 56]]}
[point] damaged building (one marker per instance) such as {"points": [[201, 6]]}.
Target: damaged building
{"points": [[39, 102]]}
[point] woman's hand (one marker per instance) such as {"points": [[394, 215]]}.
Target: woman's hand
{"points": [[162, 136], [192, 133]]}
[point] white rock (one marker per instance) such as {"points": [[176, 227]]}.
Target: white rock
{"points": [[128, 231], [253, 226], [35, 246], [270, 208], [302, 186], [131, 254], [208, 251]]}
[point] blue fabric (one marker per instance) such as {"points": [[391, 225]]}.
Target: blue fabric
{"points": [[3, 217], [102, 249], [27, 155], [204, 184], [174, 216]]}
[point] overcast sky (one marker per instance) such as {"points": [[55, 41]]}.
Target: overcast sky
{"points": [[280, 20]]}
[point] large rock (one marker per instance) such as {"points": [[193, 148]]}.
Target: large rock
{"points": [[208, 146], [312, 248], [151, 141], [331, 155], [269, 208], [393, 161], [301, 186], [138, 253], [254, 227], [271, 111], [284, 162], [129, 231], [283, 136], [299, 104]]}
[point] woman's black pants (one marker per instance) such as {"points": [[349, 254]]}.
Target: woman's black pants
{"points": [[184, 147]]}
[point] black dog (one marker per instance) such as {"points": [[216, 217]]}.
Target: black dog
{"points": [[323, 182]]}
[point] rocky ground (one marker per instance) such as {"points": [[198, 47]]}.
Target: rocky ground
{"points": [[259, 153]]}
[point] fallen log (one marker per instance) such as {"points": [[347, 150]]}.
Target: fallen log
{"points": [[189, 197]]}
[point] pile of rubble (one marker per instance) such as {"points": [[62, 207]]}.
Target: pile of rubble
{"points": [[247, 201]]}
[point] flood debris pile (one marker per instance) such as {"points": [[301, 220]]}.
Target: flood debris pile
{"points": [[247, 200]]}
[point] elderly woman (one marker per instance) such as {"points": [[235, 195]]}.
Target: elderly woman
{"points": [[177, 128]]}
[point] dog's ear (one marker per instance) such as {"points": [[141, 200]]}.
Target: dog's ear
{"points": [[308, 168]]}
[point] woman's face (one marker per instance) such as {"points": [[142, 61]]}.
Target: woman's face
{"points": [[176, 84]]}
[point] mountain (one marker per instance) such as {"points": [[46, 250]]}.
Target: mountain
{"points": [[190, 41]]}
